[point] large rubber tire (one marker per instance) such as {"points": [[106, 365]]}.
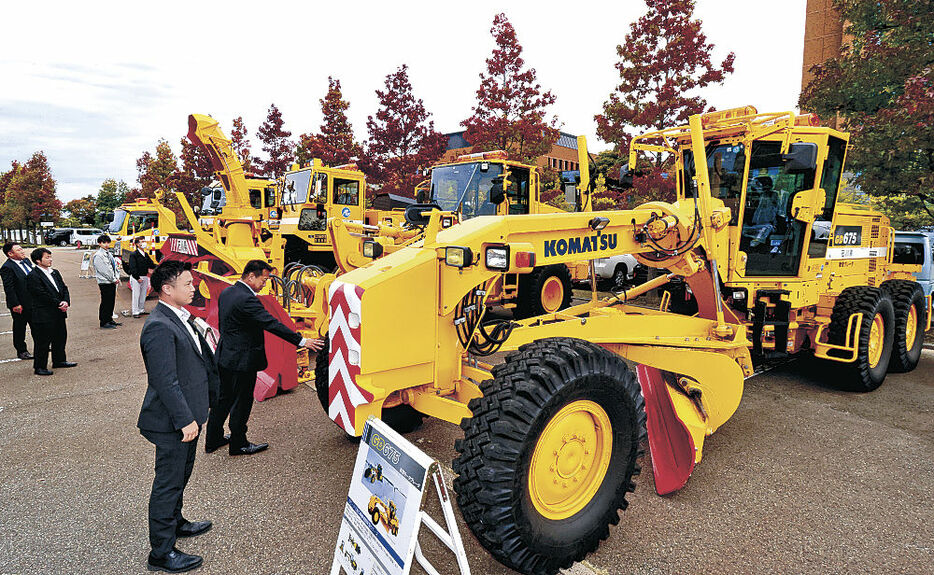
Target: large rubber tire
{"points": [[860, 375], [906, 295], [495, 456], [402, 418], [531, 287]]}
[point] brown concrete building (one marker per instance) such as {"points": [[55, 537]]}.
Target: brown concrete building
{"points": [[562, 156], [823, 36]]}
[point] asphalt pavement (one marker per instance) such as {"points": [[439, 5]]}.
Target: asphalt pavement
{"points": [[803, 479]]}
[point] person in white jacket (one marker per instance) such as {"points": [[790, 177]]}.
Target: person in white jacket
{"points": [[105, 270]]}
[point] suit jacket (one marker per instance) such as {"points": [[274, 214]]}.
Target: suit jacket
{"points": [[139, 264], [14, 285], [243, 319], [182, 380], [47, 295]]}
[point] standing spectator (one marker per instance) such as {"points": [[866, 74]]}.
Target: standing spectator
{"points": [[105, 270], [50, 303], [182, 383], [139, 265], [241, 353], [14, 271]]}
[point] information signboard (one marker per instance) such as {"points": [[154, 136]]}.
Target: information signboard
{"points": [[382, 515]]}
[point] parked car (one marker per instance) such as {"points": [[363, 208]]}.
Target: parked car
{"points": [[616, 271], [59, 236], [83, 237]]}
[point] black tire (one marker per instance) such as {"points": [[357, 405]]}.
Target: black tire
{"points": [[375, 517], [906, 294], [62, 243], [495, 455], [402, 418], [871, 301], [529, 302], [620, 276]]}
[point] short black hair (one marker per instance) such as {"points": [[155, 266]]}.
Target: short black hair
{"points": [[8, 247], [103, 239], [37, 254], [167, 272], [255, 267]]}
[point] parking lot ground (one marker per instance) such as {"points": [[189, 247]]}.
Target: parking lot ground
{"points": [[803, 479]]}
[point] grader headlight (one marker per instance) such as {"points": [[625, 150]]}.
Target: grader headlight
{"points": [[372, 249], [497, 258], [458, 257]]}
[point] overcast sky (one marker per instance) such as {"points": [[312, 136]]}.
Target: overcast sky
{"points": [[94, 84]]}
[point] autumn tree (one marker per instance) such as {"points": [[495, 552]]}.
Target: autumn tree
{"points": [[30, 194], [111, 194], [663, 61], [511, 112], [402, 138], [194, 173], [82, 210], [335, 144], [276, 144], [157, 171], [882, 86], [240, 140]]}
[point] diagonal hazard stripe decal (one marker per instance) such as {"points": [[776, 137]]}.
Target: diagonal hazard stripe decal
{"points": [[344, 357]]}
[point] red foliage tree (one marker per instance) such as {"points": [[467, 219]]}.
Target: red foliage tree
{"points": [[664, 59], [335, 144], [511, 110], [84, 210], [30, 195], [402, 138], [195, 172], [276, 144], [240, 140], [156, 171]]}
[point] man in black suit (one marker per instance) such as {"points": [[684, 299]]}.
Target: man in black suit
{"points": [[182, 383], [241, 353], [14, 271], [50, 303]]}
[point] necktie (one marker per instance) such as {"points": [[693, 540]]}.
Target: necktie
{"points": [[26, 267]]}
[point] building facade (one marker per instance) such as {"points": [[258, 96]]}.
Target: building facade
{"points": [[562, 157]]}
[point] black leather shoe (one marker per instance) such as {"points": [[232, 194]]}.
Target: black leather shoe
{"points": [[174, 562], [42, 372], [24, 355], [249, 449], [211, 447], [108, 326], [64, 364], [193, 528], [114, 323]]}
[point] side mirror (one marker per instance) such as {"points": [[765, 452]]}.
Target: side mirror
{"points": [[419, 214], [497, 192], [422, 196], [206, 191], [801, 157]]}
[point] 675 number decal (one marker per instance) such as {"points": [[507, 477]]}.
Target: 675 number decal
{"points": [[848, 236]]}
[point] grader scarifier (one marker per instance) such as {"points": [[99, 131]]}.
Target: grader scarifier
{"points": [[553, 435]]}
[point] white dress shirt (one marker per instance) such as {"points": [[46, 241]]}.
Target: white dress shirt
{"points": [[183, 314], [48, 271], [25, 265]]}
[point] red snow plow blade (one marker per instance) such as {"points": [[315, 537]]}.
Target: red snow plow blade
{"points": [[670, 443]]}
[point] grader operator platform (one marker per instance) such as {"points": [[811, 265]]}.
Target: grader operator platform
{"points": [[552, 435]]}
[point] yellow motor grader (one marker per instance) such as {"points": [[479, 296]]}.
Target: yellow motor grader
{"points": [[553, 435]]}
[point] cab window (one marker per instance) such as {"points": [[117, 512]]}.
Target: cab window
{"points": [[295, 189], [270, 193], [830, 175], [517, 191], [346, 192], [255, 199], [726, 164], [319, 189], [771, 238]]}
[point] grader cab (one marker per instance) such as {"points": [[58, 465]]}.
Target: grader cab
{"points": [[553, 435]]}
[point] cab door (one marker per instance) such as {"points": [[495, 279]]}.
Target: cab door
{"points": [[347, 198]]}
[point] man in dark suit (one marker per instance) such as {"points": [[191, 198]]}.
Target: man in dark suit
{"points": [[241, 353], [14, 271], [182, 383], [139, 265], [50, 303]]}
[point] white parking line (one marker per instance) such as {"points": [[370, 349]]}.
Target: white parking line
{"points": [[5, 332], [9, 360]]}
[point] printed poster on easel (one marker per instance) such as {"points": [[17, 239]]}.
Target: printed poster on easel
{"points": [[382, 516]]}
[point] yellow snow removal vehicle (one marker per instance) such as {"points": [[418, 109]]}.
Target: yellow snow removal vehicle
{"points": [[552, 435]]}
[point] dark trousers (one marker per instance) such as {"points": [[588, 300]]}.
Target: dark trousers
{"points": [[174, 462], [235, 400], [46, 335], [106, 311], [20, 321]]}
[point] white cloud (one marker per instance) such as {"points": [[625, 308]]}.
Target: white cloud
{"points": [[103, 81]]}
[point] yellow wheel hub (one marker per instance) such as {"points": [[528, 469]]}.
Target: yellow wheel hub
{"points": [[570, 460], [876, 339], [911, 327], [552, 294]]}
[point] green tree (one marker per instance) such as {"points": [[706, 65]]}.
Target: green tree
{"points": [[157, 171], [83, 210], [882, 87]]}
